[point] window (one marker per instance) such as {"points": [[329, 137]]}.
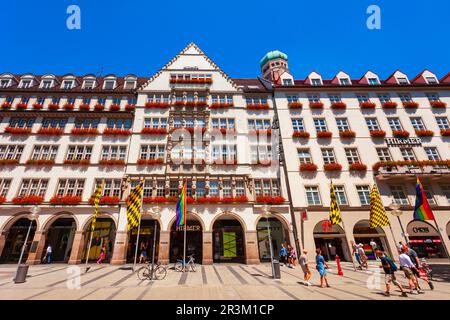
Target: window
{"points": [[54, 123], [131, 101], [223, 152], [109, 84], [320, 125], [429, 194], [152, 152], [33, 187], [362, 98], [328, 156], [297, 124], [342, 124], [119, 123], [214, 188], [25, 84], [432, 153], [344, 81], [147, 188], [56, 100], [259, 124], [399, 195], [402, 80], [116, 101], [267, 187], [70, 187], [129, 84], [316, 82], [155, 123], [44, 152], [4, 186], [363, 194], [431, 80], [89, 84], [240, 188], [446, 190], [222, 123], [407, 154], [372, 124], [160, 188], [340, 195], [373, 81], [21, 122], [442, 123], [384, 97], [352, 155], [312, 195], [313, 98], [405, 97], [40, 100], [384, 154], [114, 152], [4, 83], [417, 124], [25, 100], [226, 188], [87, 123], [292, 99], [287, 82], [334, 98], [256, 100], [67, 84], [11, 152], [79, 152], [395, 124], [433, 97], [304, 156], [87, 100], [111, 187]]}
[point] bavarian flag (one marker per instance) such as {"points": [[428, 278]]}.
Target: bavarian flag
{"points": [[96, 197], [134, 203], [182, 206], [422, 210], [378, 217], [335, 214]]}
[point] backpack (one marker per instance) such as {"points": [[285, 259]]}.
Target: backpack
{"points": [[391, 264]]}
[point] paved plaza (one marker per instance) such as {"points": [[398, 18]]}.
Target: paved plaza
{"points": [[218, 281]]}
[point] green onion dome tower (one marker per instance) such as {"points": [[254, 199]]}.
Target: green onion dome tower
{"points": [[273, 65]]}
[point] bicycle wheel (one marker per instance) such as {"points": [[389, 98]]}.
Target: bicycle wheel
{"points": [[144, 273], [179, 266], [193, 266], [160, 273]]}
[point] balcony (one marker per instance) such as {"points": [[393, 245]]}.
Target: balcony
{"points": [[391, 170]]}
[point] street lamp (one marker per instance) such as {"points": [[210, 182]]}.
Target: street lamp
{"points": [[267, 215], [156, 214], [396, 212], [32, 217]]}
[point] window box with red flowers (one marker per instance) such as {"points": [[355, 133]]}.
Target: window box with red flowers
{"points": [[154, 131], [6, 105], [53, 106], [130, 107], [51, 131], [357, 166], [201, 104], [157, 104], [40, 162], [316, 105], [223, 131], [67, 200], [217, 105], [38, 106], [9, 162], [445, 132], [31, 199], [367, 105], [295, 105], [190, 104], [226, 162], [338, 106], [114, 107], [265, 162], [324, 134], [116, 132], [99, 107], [424, 133], [12, 130], [308, 167], [438, 104], [69, 106], [179, 103], [347, 134], [417, 163], [377, 133], [150, 162], [300, 134], [400, 133], [112, 162], [77, 162], [208, 200], [267, 132], [410, 105], [234, 199], [389, 105], [258, 106], [332, 167], [84, 107], [2, 199], [106, 200], [84, 131], [270, 199], [21, 106], [154, 200]]}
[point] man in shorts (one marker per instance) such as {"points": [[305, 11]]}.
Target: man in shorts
{"points": [[303, 261], [415, 260], [389, 269], [407, 267]]}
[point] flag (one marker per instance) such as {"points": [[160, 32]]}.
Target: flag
{"points": [[182, 207], [335, 214], [422, 210], [134, 202], [378, 217], [304, 215], [96, 197]]}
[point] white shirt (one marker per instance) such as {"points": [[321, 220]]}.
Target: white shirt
{"points": [[49, 249], [405, 261], [373, 244]]}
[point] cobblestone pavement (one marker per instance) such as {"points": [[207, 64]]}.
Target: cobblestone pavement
{"points": [[218, 282]]}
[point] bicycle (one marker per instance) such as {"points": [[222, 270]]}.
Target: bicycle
{"points": [[179, 266], [145, 272]]}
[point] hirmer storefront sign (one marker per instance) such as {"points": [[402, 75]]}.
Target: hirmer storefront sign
{"points": [[403, 142]]}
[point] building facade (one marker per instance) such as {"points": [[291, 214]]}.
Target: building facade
{"points": [[62, 136]]}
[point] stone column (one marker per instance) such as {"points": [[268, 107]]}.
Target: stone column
{"points": [[77, 248], [207, 248], [164, 247], [119, 255], [2, 241], [35, 257], [251, 247]]}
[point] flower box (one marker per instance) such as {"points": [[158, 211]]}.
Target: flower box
{"points": [[154, 131], [12, 130], [40, 162], [190, 104], [208, 200], [2, 199], [357, 166], [377, 133], [99, 107], [31, 199], [6, 105], [155, 200], [114, 107], [21, 106], [438, 104], [116, 132], [338, 106], [53, 106], [84, 131], [157, 104], [324, 134], [316, 105], [84, 107], [445, 132], [111, 162], [300, 134], [410, 105], [389, 105], [130, 107], [347, 134], [77, 162], [106, 200], [400, 133], [201, 104], [295, 105], [9, 162], [229, 162], [217, 105], [149, 162], [38, 106], [308, 167], [223, 131], [51, 131], [69, 199], [367, 105], [267, 132], [417, 163], [424, 133], [332, 167], [270, 199], [258, 106], [69, 106]]}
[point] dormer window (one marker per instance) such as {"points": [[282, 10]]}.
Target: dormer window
{"points": [[431, 80], [88, 84], [402, 80], [373, 81], [109, 84], [287, 82], [344, 81], [46, 84], [316, 82], [130, 84], [4, 83], [25, 84], [67, 84]]}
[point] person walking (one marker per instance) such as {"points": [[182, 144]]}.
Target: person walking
{"points": [[374, 246], [389, 269], [291, 256], [102, 254], [362, 256], [48, 254], [356, 254], [415, 260], [322, 267], [143, 256], [406, 265], [303, 261], [283, 254]]}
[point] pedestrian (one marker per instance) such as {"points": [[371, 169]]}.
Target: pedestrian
{"points": [[362, 256], [407, 266], [322, 267], [48, 254], [374, 246], [143, 256], [291, 256], [356, 254], [303, 261], [283, 254], [418, 266], [389, 269], [102, 254], [400, 247]]}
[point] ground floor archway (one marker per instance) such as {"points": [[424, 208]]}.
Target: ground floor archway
{"points": [[331, 240], [278, 233], [368, 237], [103, 236], [15, 237], [228, 240], [425, 240], [194, 240], [146, 240], [60, 237]]}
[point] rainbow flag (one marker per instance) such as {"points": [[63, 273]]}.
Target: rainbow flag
{"points": [[422, 210], [182, 207]]}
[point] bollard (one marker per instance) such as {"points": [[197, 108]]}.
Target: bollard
{"points": [[338, 262]]}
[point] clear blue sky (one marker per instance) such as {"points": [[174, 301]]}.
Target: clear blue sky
{"points": [[140, 36]]}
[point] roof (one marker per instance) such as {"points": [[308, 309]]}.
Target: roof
{"points": [[271, 55]]}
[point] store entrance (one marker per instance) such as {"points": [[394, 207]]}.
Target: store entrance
{"points": [[370, 238], [15, 238], [425, 240], [194, 241], [228, 241], [104, 236], [146, 237], [60, 236], [331, 240], [277, 233]]}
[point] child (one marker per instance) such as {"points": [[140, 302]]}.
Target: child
{"points": [[102, 254], [283, 254], [291, 256]]}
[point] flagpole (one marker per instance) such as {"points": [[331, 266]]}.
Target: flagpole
{"points": [[93, 227], [185, 228], [89, 247], [139, 226]]}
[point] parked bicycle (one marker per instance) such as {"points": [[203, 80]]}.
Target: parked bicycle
{"points": [[180, 266], [159, 272]]}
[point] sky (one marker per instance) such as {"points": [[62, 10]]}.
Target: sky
{"points": [[141, 36]]}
